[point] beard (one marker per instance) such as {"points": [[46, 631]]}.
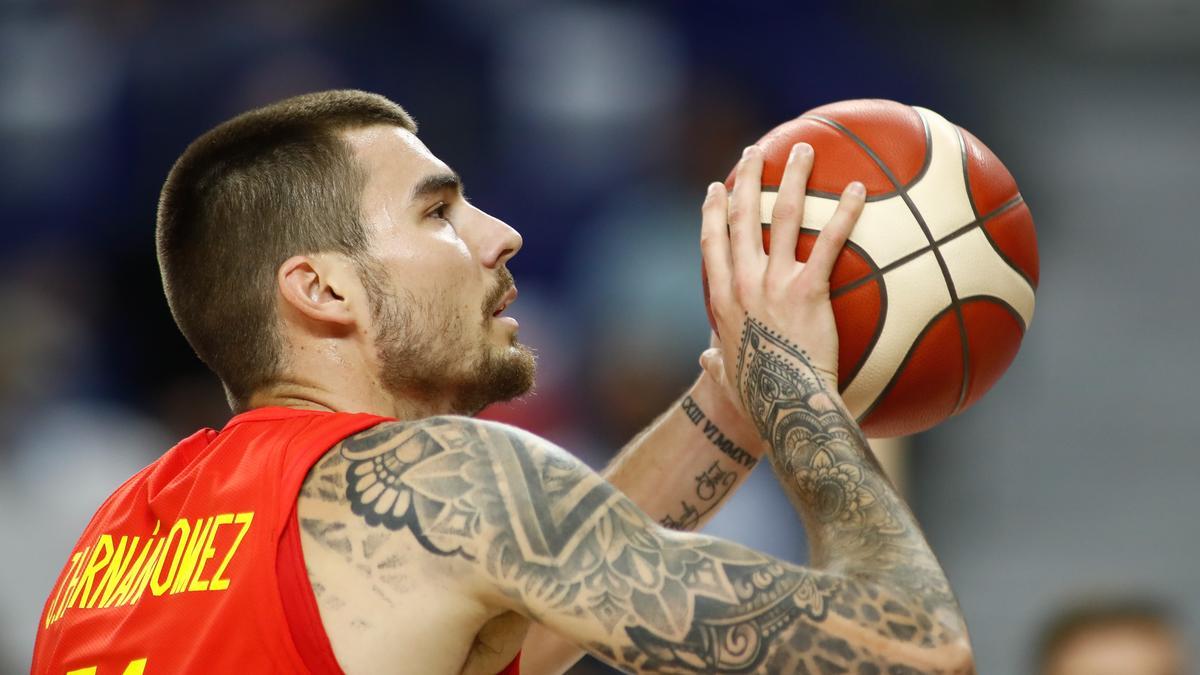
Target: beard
{"points": [[429, 353]]}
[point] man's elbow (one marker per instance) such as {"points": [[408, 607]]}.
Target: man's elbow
{"points": [[955, 657]]}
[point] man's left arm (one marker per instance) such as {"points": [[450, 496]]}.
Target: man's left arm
{"points": [[679, 470]]}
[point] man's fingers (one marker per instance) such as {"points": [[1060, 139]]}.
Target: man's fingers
{"points": [[835, 233], [745, 223], [714, 241], [788, 213]]}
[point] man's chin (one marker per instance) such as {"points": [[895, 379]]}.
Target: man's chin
{"points": [[507, 375]]}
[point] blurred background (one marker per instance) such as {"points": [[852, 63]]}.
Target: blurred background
{"points": [[593, 127]]}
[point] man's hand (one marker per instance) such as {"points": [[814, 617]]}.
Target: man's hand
{"points": [[785, 296]]}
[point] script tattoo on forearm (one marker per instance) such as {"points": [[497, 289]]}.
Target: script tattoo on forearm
{"points": [[712, 485], [854, 516], [714, 434], [563, 541]]}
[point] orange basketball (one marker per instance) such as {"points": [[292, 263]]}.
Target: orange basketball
{"points": [[935, 288]]}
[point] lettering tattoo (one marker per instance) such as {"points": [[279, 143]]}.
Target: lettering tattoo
{"points": [[714, 435], [580, 557], [712, 486]]}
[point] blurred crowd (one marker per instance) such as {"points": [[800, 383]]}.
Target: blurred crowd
{"points": [[591, 127]]}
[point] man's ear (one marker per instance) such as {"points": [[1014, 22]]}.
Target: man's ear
{"points": [[316, 287]]}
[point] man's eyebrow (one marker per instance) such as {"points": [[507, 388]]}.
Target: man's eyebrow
{"points": [[435, 183]]}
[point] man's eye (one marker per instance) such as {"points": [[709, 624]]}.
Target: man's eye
{"points": [[440, 212]]}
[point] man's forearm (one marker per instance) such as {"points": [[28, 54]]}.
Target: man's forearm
{"points": [[683, 466], [679, 470], [857, 524]]}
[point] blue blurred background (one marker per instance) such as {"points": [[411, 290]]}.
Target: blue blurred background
{"points": [[593, 127]]}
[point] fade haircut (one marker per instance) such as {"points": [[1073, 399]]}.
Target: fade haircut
{"points": [[266, 185]]}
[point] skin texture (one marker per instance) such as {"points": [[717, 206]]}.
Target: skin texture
{"points": [[661, 471], [418, 337], [432, 543], [436, 265]]}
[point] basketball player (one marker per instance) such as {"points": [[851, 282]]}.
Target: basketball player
{"points": [[353, 517]]}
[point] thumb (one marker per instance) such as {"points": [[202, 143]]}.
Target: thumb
{"points": [[713, 363]]}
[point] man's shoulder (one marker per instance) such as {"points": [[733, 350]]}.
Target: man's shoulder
{"points": [[374, 467], [416, 439]]}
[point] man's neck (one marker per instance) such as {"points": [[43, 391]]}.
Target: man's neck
{"points": [[373, 400]]}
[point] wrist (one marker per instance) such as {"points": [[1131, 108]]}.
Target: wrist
{"points": [[711, 398]]}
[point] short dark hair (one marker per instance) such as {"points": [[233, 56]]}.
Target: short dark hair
{"points": [[1090, 614], [268, 184]]}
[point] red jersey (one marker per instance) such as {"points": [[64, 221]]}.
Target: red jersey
{"points": [[194, 565]]}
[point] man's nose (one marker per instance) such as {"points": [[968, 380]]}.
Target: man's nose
{"points": [[500, 242]]}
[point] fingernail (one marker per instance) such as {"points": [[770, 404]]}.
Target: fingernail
{"points": [[802, 149], [712, 188], [749, 151], [858, 189]]}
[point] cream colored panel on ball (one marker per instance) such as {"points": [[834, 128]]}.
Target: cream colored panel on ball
{"points": [[916, 292], [977, 269], [941, 194], [886, 230]]}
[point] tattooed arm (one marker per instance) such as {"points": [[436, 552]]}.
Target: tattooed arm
{"points": [[684, 465], [506, 521], [516, 523], [679, 471]]}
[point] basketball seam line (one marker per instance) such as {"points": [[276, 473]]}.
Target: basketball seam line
{"points": [[962, 149], [880, 197], [1007, 260], [879, 272], [962, 146], [883, 303], [929, 326], [912, 349], [1006, 305], [912, 207]]}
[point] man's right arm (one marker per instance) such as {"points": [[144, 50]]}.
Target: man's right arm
{"points": [[519, 524], [524, 526]]}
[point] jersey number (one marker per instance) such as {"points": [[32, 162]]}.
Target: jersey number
{"points": [[135, 667]]}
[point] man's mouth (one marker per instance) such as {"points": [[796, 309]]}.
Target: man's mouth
{"points": [[508, 299]]}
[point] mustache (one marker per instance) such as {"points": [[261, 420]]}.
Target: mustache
{"points": [[503, 286]]}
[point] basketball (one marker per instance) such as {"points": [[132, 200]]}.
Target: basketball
{"points": [[935, 288]]}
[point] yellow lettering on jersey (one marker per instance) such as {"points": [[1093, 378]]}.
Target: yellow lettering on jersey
{"points": [[191, 554], [135, 667], [158, 585], [73, 585], [197, 583], [101, 554], [116, 567], [116, 573], [68, 583], [147, 572], [114, 596], [243, 519]]}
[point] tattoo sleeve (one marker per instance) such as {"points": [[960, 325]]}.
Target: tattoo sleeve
{"points": [[711, 487], [566, 549]]}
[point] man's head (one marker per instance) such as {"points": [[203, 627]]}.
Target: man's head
{"points": [[321, 230], [1117, 637]]}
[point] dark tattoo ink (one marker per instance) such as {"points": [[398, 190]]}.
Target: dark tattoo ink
{"points": [[714, 435], [854, 515], [562, 540], [712, 486], [567, 546]]}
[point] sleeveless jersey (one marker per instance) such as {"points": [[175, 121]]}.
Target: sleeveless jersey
{"points": [[194, 564]]}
